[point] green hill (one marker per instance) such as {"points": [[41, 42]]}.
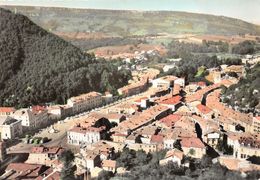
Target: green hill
{"points": [[37, 66], [128, 23]]}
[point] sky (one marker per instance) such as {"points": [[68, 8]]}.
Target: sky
{"points": [[248, 10]]}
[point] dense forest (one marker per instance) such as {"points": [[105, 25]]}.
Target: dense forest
{"points": [[38, 67], [245, 94]]}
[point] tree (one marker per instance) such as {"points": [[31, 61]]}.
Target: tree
{"points": [[68, 169], [192, 151], [105, 175]]}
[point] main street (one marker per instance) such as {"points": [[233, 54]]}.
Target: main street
{"points": [[58, 138]]}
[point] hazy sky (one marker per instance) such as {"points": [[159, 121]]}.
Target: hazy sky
{"points": [[248, 10]]}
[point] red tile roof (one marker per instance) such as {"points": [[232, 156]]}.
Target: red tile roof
{"points": [[157, 138], [26, 169], [203, 109], [192, 142], [47, 150], [7, 109], [170, 120], [257, 118], [172, 101]]}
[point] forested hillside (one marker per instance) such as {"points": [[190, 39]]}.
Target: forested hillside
{"points": [[38, 67], [245, 95]]}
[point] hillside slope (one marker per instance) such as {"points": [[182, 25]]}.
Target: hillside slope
{"points": [[38, 67], [128, 23], [245, 95]]}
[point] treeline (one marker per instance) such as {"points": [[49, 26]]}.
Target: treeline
{"points": [[245, 47], [176, 47], [245, 94], [191, 64], [38, 67], [111, 41], [242, 48]]}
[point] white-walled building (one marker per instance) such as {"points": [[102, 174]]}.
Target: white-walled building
{"points": [[174, 156], [32, 118], [166, 81], [10, 128], [80, 135]]}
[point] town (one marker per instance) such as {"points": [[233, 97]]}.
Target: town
{"points": [[152, 114]]}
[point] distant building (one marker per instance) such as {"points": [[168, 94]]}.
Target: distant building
{"points": [[85, 102], [10, 128]]}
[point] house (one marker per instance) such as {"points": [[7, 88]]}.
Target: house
{"points": [[85, 102], [87, 160], [166, 81], [173, 102], [212, 137], [256, 125], [2, 151], [204, 111], [84, 135], [32, 118], [193, 147], [120, 138], [6, 111], [133, 88], [109, 165], [58, 112], [174, 156], [24, 171], [247, 147], [148, 148], [239, 69], [44, 155], [180, 82], [158, 141], [142, 102], [10, 128]]}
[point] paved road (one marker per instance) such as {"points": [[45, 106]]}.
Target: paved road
{"points": [[63, 126]]}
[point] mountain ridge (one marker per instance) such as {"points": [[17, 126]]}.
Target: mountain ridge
{"points": [[134, 22]]}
